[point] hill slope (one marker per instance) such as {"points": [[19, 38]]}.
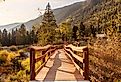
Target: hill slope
{"points": [[60, 15]]}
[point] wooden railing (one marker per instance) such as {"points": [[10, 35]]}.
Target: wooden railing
{"points": [[45, 52], [80, 62]]}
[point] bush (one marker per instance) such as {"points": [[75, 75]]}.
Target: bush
{"points": [[26, 64], [3, 56], [11, 56], [13, 78], [6, 56], [13, 48]]}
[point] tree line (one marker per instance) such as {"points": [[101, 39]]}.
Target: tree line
{"points": [[17, 37]]}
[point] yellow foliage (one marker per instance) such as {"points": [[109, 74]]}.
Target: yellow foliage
{"points": [[38, 64], [11, 56], [26, 64], [21, 73], [7, 56]]}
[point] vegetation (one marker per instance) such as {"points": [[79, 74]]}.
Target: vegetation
{"points": [[105, 52], [105, 60], [11, 66], [46, 31], [49, 32], [17, 37]]}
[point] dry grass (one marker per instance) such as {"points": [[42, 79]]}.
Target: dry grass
{"points": [[105, 61]]}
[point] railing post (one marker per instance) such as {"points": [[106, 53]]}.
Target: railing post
{"points": [[32, 64], [43, 60], [86, 62]]}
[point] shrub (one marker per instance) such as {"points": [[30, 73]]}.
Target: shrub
{"points": [[26, 64], [13, 78], [6, 56], [3, 56], [11, 56], [13, 48]]}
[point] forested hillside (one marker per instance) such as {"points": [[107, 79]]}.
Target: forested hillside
{"points": [[105, 57]]}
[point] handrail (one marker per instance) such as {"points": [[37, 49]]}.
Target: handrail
{"points": [[45, 51], [74, 48], [81, 63], [40, 48]]}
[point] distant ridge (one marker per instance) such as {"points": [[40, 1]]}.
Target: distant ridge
{"points": [[76, 10], [60, 15]]}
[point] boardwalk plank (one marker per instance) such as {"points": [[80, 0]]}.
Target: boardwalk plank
{"points": [[59, 67]]}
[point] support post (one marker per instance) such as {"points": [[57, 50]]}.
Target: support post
{"points": [[86, 62], [43, 60], [32, 64]]}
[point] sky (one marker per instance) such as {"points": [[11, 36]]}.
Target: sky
{"points": [[16, 11]]}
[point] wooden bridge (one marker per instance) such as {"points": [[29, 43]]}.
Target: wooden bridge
{"points": [[59, 63]]}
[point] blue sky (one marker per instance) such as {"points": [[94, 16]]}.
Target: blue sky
{"points": [[12, 11]]}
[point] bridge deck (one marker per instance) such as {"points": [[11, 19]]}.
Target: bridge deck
{"points": [[59, 67]]}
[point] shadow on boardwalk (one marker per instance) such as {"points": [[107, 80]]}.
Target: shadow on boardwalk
{"points": [[52, 72]]}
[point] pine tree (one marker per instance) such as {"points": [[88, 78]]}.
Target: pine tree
{"points": [[22, 31], [75, 28], [13, 39], [46, 32], [9, 39], [32, 37], [82, 30], [4, 38], [93, 30], [18, 37], [0, 38]]}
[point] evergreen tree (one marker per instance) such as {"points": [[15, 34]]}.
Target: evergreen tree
{"points": [[4, 38], [46, 32], [27, 38], [32, 37], [82, 30], [9, 39], [93, 31], [13, 39], [0, 38], [22, 31], [18, 37], [75, 28]]}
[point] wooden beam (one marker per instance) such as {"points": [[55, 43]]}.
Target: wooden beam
{"points": [[86, 62], [74, 48], [75, 56], [40, 48], [32, 64]]}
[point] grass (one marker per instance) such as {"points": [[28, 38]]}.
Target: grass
{"points": [[105, 61]]}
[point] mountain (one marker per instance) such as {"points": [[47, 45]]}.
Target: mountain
{"points": [[99, 13], [76, 10], [60, 15], [10, 26], [85, 10], [80, 11]]}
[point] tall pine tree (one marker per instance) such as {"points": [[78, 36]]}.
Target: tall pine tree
{"points": [[4, 38], [46, 32], [0, 38]]}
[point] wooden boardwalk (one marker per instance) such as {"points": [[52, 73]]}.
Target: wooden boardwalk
{"points": [[59, 68]]}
